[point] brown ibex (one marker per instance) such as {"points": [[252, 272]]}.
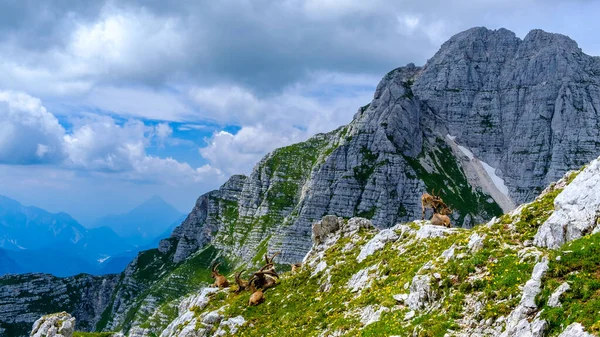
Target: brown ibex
{"points": [[265, 277], [296, 267], [242, 284], [257, 296], [431, 201], [441, 220], [220, 280]]}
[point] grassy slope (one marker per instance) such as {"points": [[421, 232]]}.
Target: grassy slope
{"points": [[296, 307]]}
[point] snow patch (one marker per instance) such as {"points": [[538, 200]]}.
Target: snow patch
{"points": [[466, 152], [451, 137], [499, 182]]}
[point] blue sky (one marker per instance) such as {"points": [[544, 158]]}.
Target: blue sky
{"points": [[106, 103]]}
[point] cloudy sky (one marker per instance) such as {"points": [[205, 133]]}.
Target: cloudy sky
{"points": [[105, 103]]}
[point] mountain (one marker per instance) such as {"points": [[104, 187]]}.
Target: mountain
{"points": [[514, 276], [144, 223], [28, 227], [7, 264], [34, 240], [487, 123]]}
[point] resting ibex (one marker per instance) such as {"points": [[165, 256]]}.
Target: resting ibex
{"points": [[220, 280], [257, 296], [242, 284], [431, 201], [265, 277], [441, 220], [296, 267], [269, 260]]}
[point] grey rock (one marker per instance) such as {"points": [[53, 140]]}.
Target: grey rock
{"points": [[362, 279], [554, 300], [421, 292], [517, 323], [54, 325], [576, 210], [575, 330], [430, 231], [371, 314], [377, 243], [475, 242]]}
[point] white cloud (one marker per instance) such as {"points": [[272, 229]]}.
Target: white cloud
{"points": [[237, 154], [29, 134]]}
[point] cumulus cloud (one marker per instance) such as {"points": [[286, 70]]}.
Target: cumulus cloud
{"points": [[30, 134], [237, 154]]}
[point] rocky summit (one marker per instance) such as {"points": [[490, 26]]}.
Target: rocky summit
{"points": [[487, 123]]}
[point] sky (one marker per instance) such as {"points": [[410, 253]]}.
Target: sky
{"points": [[106, 103]]}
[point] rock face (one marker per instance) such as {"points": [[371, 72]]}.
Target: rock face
{"points": [[576, 210], [54, 325], [523, 111], [24, 298]]}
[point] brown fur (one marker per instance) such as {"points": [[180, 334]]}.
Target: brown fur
{"points": [[431, 201], [242, 284], [220, 280], [441, 220], [296, 267], [257, 296]]}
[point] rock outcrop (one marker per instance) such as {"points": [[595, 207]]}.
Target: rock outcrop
{"points": [[54, 325], [25, 298], [576, 210]]}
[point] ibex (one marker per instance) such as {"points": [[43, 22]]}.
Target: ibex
{"points": [[296, 267], [242, 284], [257, 296], [431, 201], [270, 260], [265, 277], [441, 220], [220, 280]]}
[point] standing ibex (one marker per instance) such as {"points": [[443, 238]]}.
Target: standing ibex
{"points": [[220, 280], [431, 201]]}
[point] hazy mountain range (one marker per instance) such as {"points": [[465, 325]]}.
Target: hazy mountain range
{"points": [[35, 240]]}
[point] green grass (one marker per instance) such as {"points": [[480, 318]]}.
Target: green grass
{"points": [[92, 334], [579, 266]]}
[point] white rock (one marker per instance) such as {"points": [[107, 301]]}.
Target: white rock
{"points": [[54, 325], [400, 297], [448, 254], [575, 330], [361, 280], [431, 231], [371, 314], [377, 243], [421, 293], [554, 300], [517, 323], [576, 210], [409, 315], [233, 324], [475, 242]]}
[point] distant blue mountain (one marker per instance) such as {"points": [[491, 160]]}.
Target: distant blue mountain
{"points": [[7, 264], [143, 224], [34, 240], [28, 227]]}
